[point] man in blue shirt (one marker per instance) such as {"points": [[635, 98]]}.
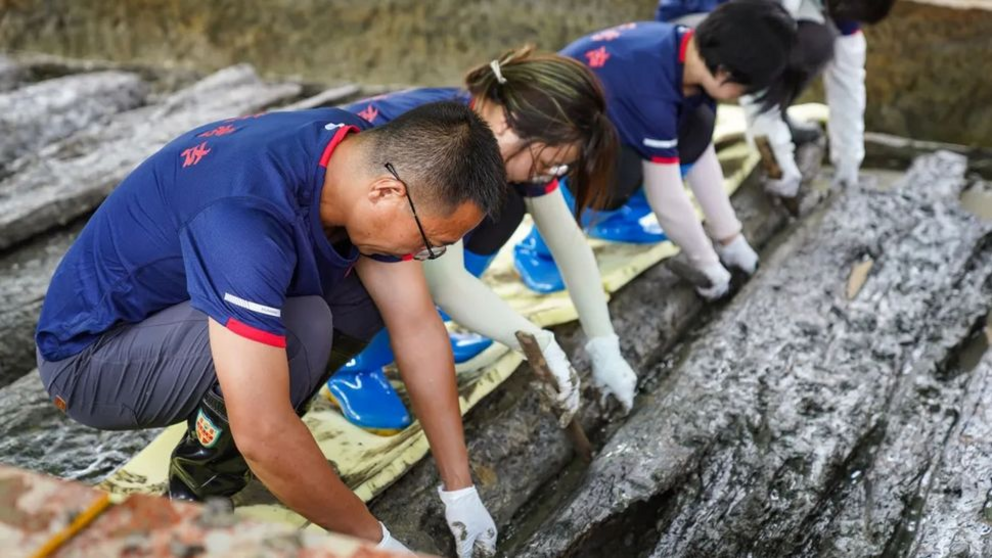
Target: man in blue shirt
{"points": [[204, 288]]}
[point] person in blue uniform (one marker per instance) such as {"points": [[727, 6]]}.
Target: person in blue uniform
{"points": [[662, 82], [205, 288], [831, 43], [549, 118]]}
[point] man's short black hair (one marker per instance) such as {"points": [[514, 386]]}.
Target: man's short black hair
{"points": [[750, 39], [446, 155]]}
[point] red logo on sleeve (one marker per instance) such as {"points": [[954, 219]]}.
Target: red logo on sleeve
{"points": [[598, 57], [193, 155], [222, 130], [369, 113]]}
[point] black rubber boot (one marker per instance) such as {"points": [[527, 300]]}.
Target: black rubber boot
{"points": [[206, 463], [343, 348]]}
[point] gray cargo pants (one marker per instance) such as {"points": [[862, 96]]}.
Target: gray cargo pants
{"points": [[154, 373]]}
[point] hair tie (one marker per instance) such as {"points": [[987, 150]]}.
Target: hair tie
{"points": [[499, 74]]}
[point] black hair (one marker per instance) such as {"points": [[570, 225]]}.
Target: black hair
{"points": [[814, 49], [554, 100], [445, 153], [862, 11], [751, 40]]}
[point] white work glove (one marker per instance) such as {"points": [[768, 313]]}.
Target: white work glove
{"points": [[738, 253], [785, 187], [470, 523], [610, 372], [567, 398], [719, 282], [389, 543]]}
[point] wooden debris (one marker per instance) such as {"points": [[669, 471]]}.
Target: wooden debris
{"points": [[540, 367], [859, 274], [327, 98], [38, 114]]}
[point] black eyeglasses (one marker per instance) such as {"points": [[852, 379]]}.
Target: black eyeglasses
{"points": [[429, 252]]}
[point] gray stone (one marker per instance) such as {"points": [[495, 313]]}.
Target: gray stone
{"points": [[38, 114], [39, 437], [10, 74], [326, 98], [71, 177], [24, 277]]}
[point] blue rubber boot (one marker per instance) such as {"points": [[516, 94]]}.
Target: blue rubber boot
{"points": [[360, 388], [631, 223], [533, 261], [364, 395], [477, 264], [366, 399]]}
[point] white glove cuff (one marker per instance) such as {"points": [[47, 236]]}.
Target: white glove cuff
{"points": [[598, 347], [450, 497]]}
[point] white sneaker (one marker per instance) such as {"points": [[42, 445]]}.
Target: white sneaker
{"points": [[719, 279], [738, 254]]}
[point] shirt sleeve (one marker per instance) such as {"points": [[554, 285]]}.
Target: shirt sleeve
{"points": [[239, 263], [651, 127], [532, 190]]}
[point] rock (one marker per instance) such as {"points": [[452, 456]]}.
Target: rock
{"points": [[24, 277], [36, 115], [955, 519], [71, 177], [763, 433], [326, 98], [10, 74], [39, 437]]}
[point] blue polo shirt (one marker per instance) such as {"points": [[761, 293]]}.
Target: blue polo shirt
{"points": [[640, 66], [226, 216], [670, 10]]}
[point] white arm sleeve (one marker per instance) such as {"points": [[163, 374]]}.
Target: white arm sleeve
{"points": [[575, 259], [771, 125], [470, 302], [670, 203], [844, 81]]}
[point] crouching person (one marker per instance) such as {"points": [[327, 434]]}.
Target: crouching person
{"points": [[203, 290]]}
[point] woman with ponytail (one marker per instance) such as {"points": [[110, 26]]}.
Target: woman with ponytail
{"points": [[548, 114]]}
